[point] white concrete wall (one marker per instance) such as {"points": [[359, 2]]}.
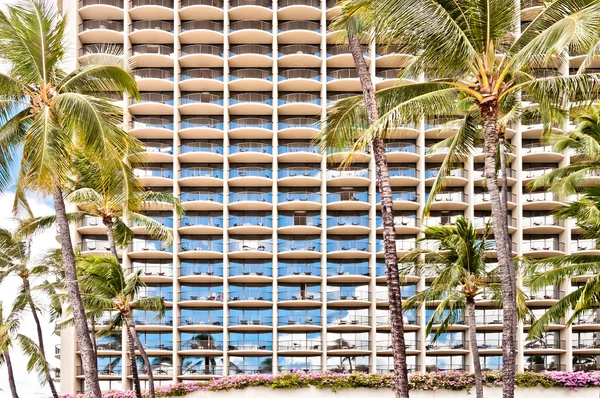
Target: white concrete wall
{"points": [[256, 392]]}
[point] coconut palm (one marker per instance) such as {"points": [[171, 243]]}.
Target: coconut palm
{"points": [[484, 66], [116, 290], [15, 261], [584, 141], [5, 345], [333, 137], [45, 113]]}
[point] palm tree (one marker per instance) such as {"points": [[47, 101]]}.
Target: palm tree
{"points": [[333, 137], [15, 261], [458, 263], [584, 141], [45, 113], [5, 345], [483, 67], [116, 290]]}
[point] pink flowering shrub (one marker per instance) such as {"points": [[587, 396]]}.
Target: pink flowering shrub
{"points": [[456, 381]]}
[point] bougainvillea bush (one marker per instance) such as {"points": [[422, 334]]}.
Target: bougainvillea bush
{"points": [[455, 381]]}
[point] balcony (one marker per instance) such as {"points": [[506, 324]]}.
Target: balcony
{"points": [[200, 176], [101, 31], [448, 347], [206, 127], [201, 103], [153, 55], [152, 31], [385, 346], [348, 224], [299, 200], [202, 200], [538, 152], [251, 322], [403, 246], [348, 248], [455, 177], [251, 79], [149, 321], [251, 127], [250, 103], [299, 298], [403, 175], [251, 224], [542, 225], [585, 246], [207, 322], [450, 200], [299, 80], [309, 271], [299, 104], [104, 372], [201, 225], [483, 201], [348, 200], [540, 201], [403, 224], [410, 320], [198, 248], [94, 247], [545, 296], [298, 31], [299, 55], [197, 79], [201, 9], [250, 152], [343, 80], [480, 179], [339, 155], [201, 151], [91, 226], [205, 272], [387, 78], [401, 152], [261, 248], [348, 322], [90, 50], [544, 346], [250, 347], [299, 152], [299, 224], [154, 176], [153, 103], [107, 9], [481, 223], [348, 272], [299, 9], [298, 127], [299, 248], [207, 347], [250, 32], [250, 200], [250, 9], [543, 248], [247, 297], [204, 31], [403, 200], [151, 9], [250, 55], [250, 176], [340, 56], [157, 79], [206, 55], [299, 322], [150, 248], [299, 177], [201, 297], [349, 176], [250, 273], [531, 173]]}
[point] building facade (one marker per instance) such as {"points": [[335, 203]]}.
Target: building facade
{"points": [[277, 263]]}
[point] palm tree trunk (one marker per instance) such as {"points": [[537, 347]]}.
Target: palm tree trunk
{"points": [[88, 357], [489, 112], [140, 347], [474, 349], [111, 238], [93, 334], [389, 232], [11, 375], [134, 370], [504, 173], [40, 335]]}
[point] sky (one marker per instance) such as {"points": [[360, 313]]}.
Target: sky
{"points": [[28, 385]]}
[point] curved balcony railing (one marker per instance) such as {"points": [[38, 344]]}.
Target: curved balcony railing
{"points": [[299, 196], [348, 172], [547, 293], [342, 74], [299, 345], [295, 294], [292, 245], [253, 147], [200, 344], [104, 370], [250, 49], [433, 172], [205, 98], [407, 147], [299, 74], [206, 221], [258, 3], [166, 221], [201, 147], [289, 320], [250, 269], [295, 98], [208, 319], [336, 49], [154, 270], [158, 49], [299, 172], [151, 245], [243, 98], [250, 345], [535, 172], [154, 73], [383, 345], [201, 172], [389, 73], [251, 196], [400, 171], [203, 269], [165, 26], [201, 122], [409, 196], [348, 269], [250, 294], [203, 294], [114, 3], [347, 295], [201, 245], [160, 3], [336, 97], [207, 49], [210, 3], [298, 147], [347, 221], [298, 49], [409, 318], [251, 320], [485, 197], [201, 73], [250, 221], [251, 73], [351, 320], [348, 195], [91, 49], [449, 197], [543, 245], [251, 122], [157, 147], [216, 26], [400, 221], [299, 269], [537, 221], [94, 245], [145, 319], [299, 25], [149, 171], [157, 98], [299, 221], [251, 245], [105, 24], [401, 245], [250, 172], [347, 245], [540, 197], [208, 196], [584, 244], [250, 24], [295, 122], [309, 3]]}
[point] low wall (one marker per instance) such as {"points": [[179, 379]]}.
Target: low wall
{"points": [[312, 392]]}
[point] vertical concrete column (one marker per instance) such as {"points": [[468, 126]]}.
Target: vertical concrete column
{"points": [[275, 213]]}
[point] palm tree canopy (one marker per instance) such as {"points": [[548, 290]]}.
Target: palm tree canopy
{"points": [[46, 112]]}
